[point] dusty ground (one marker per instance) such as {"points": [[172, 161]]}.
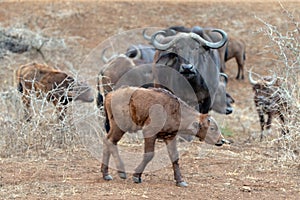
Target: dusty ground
{"points": [[247, 169]]}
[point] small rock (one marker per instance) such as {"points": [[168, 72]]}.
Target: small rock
{"points": [[246, 189]]}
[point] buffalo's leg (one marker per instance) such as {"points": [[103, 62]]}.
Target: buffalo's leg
{"points": [[240, 73], [240, 59], [26, 101], [105, 160], [269, 122], [262, 124], [110, 148], [174, 156], [147, 157], [284, 129]]}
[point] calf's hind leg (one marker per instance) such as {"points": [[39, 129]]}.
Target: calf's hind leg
{"points": [[147, 157], [110, 148]]}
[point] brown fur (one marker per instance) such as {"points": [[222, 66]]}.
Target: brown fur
{"points": [[112, 71], [45, 81], [159, 114], [110, 77]]}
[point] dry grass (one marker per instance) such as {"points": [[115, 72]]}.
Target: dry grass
{"points": [[284, 44]]}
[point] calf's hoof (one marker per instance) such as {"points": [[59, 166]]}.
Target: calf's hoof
{"points": [[122, 175], [107, 177], [137, 179], [181, 184]]}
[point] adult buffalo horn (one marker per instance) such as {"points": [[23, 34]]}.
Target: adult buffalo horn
{"points": [[225, 77], [159, 45], [104, 58], [147, 37], [213, 45], [252, 81], [271, 82]]}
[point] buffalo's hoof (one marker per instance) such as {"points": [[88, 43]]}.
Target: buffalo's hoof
{"points": [[107, 177], [182, 184], [122, 175], [137, 179]]}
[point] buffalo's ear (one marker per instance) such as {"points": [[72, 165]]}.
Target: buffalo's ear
{"points": [[196, 125]]}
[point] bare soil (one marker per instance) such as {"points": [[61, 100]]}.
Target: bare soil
{"points": [[247, 169]]}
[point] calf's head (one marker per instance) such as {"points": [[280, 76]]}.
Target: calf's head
{"points": [[209, 131]]}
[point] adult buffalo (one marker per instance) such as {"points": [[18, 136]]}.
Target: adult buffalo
{"points": [[194, 57], [233, 48]]}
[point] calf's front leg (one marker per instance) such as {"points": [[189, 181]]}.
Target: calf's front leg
{"points": [[174, 156]]}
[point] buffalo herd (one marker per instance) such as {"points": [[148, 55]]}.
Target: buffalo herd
{"points": [[164, 86]]}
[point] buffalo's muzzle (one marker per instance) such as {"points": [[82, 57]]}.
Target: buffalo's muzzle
{"points": [[223, 141]]}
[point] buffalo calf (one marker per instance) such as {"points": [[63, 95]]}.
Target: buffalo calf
{"points": [[160, 115], [55, 85], [269, 100]]}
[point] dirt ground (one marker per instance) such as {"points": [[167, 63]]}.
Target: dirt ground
{"points": [[247, 169]]}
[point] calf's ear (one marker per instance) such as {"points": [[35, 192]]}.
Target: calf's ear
{"points": [[204, 118], [196, 125]]}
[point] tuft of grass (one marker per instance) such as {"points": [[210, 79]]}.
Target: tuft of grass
{"points": [[226, 131]]}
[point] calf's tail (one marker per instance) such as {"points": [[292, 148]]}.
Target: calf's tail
{"points": [[100, 98], [20, 87], [106, 122]]}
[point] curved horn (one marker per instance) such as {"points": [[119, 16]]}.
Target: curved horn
{"points": [[104, 59], [253, 82], [171, 32], [161, 46], [271, 82], [147, 37], [225, 77], [213, 45]]}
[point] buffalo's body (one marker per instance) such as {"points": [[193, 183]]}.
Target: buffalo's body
{"points": [[271, 100], [120, 71], [57, 86], [160, 115]]}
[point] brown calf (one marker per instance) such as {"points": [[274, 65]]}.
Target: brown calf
{"points": [[57, 86], [160, 115]]}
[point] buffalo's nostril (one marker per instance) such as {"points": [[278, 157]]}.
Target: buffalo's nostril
{"points": [[187, 66], [229, 111]]}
